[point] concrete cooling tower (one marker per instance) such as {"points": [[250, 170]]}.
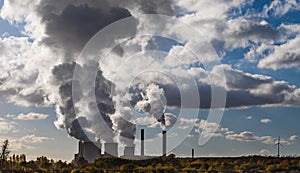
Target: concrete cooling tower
{"points": [[129, 152], [111, 149], [91, 151]]}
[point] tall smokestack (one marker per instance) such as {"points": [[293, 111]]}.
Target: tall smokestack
{"points": [[164, 143], [193, 153], [142, 142]]}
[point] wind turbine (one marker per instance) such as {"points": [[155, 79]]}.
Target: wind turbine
{"points": [[278, 146]]}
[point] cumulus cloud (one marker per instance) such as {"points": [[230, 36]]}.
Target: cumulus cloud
{"points": [[226, 33], [210, 128], [184, 123], [32, 139], [279, 8], [265, 120], [242, 30], [243, 89], [31, 116], [248, 136], [285, 142], [7, 126], [293, 138], [216, 130], [264, 152], [248, 117], [21, 81], [283, 56], [25, 142], [145, 120]]}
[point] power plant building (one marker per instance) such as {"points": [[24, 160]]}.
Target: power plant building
{"points": [[91, 151]]}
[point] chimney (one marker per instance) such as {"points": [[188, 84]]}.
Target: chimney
{"points": [[164, 143], [129, 151], [142, 142], [193, 153], [111, 149]]}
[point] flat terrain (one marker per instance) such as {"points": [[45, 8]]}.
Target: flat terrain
{"points": [[161, 164]]}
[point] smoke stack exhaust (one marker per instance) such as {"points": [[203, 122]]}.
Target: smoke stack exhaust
{"points": [[142, 142], [164, 143]]}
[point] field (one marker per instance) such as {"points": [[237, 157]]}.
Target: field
{"points": [[161, 164]]}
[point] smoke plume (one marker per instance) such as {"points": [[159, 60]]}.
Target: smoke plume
{"points": [[153, 102], [64, 27]]}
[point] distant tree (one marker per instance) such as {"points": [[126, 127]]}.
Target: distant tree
{"points": [[22, 158], [18, 158], [4, 152], [42, 162]]}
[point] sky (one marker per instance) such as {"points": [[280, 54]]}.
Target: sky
{"points": [[225, 71]]}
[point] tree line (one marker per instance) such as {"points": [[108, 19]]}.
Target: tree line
{"points": [[19, 164]]}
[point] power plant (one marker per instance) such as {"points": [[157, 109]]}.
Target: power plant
{"points": [[91, 151]]}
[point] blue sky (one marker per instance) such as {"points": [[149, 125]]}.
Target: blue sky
{"points": [[253, 39]]}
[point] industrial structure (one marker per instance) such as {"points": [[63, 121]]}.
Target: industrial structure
{"points": [[111, 149], [142, 142], [164, 143], [278, 147], [91, 151]]}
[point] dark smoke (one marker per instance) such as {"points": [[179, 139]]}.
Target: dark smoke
{"points": [[63, 75], [75, 25], [75, 125], [69, 24], [157, 7]]}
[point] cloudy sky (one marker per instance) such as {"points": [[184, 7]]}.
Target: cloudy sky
{"points": [[247, 54]]}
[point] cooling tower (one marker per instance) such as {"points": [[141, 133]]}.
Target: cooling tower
{"points": [[111, 149], [129, 151], [142, 142], [164, 143], [80, 149], [91, 151]]}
